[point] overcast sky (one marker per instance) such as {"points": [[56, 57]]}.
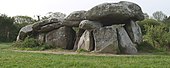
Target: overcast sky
{"points": [[41, 7]]}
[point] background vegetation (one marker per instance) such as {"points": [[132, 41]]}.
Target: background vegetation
{"points": [[10, 26], [156, 31]]}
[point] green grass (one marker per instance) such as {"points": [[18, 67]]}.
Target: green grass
{"points": [[5, 45], [11, 59]]}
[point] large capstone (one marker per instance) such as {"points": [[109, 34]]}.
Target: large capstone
{"points": [[49, 27], [70, 23], [45, 24], [24, 32], [76, 16], [74, 19], [115, 13], [105, 40], [61, 38]]}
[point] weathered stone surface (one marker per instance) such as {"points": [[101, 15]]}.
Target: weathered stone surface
{"points": [[115, 13], [70, 23], [105, 39], [74, 19], [49, 27], [89, 25], [125, 44], [41, 38], [134, 32], [86, 41], [54, 20], [24, 31], [61, 38], [37, 26], [78, 35], [76, 16]]}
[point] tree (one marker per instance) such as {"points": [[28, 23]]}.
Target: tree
{"points": [[23, 19], [159, 16], [155, 31], [57, 15], [167, 22], [6, 27], [146, 16]]}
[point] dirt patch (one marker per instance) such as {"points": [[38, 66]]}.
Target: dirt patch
{"points": [[72, 53]]}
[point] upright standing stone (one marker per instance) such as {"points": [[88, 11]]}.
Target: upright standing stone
{"points": [[41, 38], [105, 39], [134, 32], [78, 35], [125, 43], [86, 41], [61, 38]]}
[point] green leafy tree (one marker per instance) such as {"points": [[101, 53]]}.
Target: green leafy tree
{"points": [[6, 28], [9, 28]]}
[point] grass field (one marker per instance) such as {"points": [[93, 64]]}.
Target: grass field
{"points": [[11, 59]]}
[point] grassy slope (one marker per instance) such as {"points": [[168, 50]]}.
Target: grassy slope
{"points": [[10, 59]]}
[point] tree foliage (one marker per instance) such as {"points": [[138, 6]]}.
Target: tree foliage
{"points": [[149, 22], [57, 15], [156, 32], [159, 15], [146, 16], [9, 28], [157, 36], [6, 28], [23, 19]]}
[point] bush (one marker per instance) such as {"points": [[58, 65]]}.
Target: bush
{"points": [[17, 44], [27, 43], [31, 44], [146, 47], [45, 46], [157, 36], [149, 22]]}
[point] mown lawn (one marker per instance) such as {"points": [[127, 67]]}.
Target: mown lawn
{"points": [[11, 59]]}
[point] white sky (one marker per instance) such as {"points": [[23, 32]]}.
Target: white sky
{"points": [[41, 7]]}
